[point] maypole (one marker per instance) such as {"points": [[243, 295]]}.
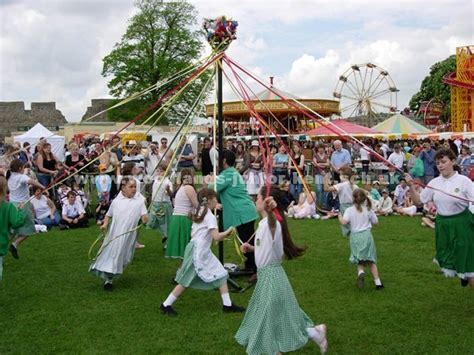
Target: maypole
{"points": [[220, 33]]}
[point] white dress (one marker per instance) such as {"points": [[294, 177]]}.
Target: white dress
{"points": [[118, 251], [206, 264]]}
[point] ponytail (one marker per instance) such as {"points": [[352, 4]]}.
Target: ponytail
{"points": [[290, 249], [203, 196]]}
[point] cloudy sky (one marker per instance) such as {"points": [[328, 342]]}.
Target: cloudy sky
{"points": [[52, 50]]}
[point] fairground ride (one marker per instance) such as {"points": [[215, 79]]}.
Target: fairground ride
{"points": [[462, 90]]}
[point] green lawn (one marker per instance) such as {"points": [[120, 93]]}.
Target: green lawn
{"points": [[51, 304]]}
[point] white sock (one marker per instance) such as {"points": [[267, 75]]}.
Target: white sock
{"points": [[14, 244], [378, 282], [312, 333], [170, 300], [360, 272], [226, 299]]}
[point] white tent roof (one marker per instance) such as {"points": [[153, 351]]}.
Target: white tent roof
{"points": [[39, 131]]}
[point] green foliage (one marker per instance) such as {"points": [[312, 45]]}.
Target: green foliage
{"points": [[50, 303], [432, 86], [158, 43]]}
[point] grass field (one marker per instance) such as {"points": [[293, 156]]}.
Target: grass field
{"points": [[50, 303]]}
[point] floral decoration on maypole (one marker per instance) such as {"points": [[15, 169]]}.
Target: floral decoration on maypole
{"points": [[220, 32]]}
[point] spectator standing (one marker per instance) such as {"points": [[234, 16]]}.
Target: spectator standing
{"points": [[339, 159], [397, 157], [186, 158], [427, 156]]}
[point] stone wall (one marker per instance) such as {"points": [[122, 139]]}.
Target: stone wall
{"points": [[14, 117], [97, 105]]}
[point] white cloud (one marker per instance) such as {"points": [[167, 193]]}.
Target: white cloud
{"points": [[52, 50]]}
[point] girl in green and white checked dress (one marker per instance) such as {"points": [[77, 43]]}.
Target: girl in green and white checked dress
{"points": [[201, 269], [360, 219], [274, 321]]}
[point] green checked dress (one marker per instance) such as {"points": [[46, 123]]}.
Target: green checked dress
{"points": [[274, 321]]}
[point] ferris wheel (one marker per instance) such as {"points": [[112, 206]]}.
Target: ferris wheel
{"points": [[366, 90]]}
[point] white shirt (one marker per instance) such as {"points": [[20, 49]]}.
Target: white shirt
{"points": [[397, 159], [74, 210], [268, 250], [400, 194], [457, 185], [207, 266], [364, 154], [344, 191], [182, 204], [360, 221], [159, 189], [18, 187], [386, 204], [41, 207]]}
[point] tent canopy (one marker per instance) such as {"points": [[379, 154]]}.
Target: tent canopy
{"points": [[39, 131], [339, 127], [399, 124]]}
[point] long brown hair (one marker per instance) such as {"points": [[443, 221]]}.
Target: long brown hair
{"points": [[46, 156], [289, 247], [203, 196], [3, 188], [359, 197]]}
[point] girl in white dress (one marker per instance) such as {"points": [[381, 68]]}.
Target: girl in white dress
{"points": [[116, 252], [201, 269], [306, 207]]}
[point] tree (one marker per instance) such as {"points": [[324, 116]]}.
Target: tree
{"points": [[432, 86], [158, 42]]}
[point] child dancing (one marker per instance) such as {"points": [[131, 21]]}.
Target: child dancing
{"points": [[10, 217], [360, 219], [117, 249], [201, 269], [274, 321]]}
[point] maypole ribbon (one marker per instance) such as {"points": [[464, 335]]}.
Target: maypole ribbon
{"points": [[329, 124]]}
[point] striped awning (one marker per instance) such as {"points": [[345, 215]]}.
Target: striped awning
{"points": [[399, 124]]}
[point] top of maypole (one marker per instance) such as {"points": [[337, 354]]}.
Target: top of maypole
{"points": [[220, 32]]}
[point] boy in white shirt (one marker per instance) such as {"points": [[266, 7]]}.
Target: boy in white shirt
{"points": [[73, 215]]}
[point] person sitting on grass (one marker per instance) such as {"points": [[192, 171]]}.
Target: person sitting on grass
{"points": [[372, 193], [385, 206], [101, 210], [286, 197], [45, 210], [408, 208], [400, 192], [306, 207], [103, 183], [73, 214]]}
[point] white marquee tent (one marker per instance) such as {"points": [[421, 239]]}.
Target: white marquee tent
{"points": [[39, 131]]}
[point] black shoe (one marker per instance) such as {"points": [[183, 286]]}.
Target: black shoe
{"points": [[14, 251], [163, 240], [379, 287], [108, 286], [168, 310], [464, 282], [233, 309], [360, 280], [63, 227]]}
